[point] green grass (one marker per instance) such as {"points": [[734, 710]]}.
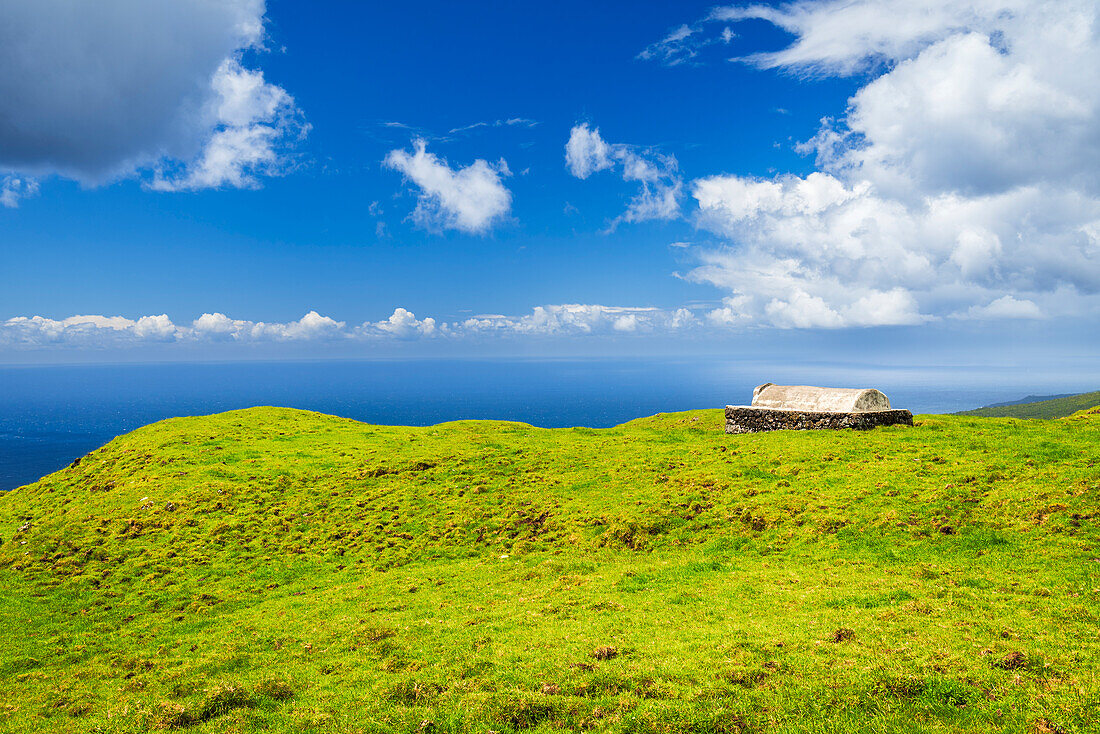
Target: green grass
{"points": [[1055, 408], [284, 571]]}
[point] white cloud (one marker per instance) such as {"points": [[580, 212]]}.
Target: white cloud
{"points": [[107, 331], [803, 311], [675, 48], [153, 328], [311, 327], [14, 188], [219, 327], [100, 91], [583, 319], [1005, 307], [404, 325], [846, 244], [810, 253], [470, 199], [521, 122], [586, 152], [254, 120], [965, 172], [847, 37], [683, 44], [87, 331]]}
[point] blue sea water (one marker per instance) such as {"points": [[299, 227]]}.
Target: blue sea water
{"points": [[49, 415]]}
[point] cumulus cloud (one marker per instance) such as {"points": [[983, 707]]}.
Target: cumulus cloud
{"points": [[470, 199], [661, 187], [219, 327], [100, 91], [403, 324], [963, 179], [586, 152], [90, 331], [253, 121], [106, 331]]}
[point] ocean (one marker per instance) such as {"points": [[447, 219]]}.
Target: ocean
{"points": [[49, 415]]}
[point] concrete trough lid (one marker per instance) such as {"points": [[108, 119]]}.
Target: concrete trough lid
{"points": [[819, 399]]}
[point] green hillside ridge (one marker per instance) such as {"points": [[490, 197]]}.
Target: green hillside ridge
{"points": [[285, 571], [1055, 408]]}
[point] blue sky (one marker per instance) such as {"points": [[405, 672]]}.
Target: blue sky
{"points": [[510, 178]]}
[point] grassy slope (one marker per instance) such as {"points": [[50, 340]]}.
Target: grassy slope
{"points": [[1056, 408], [288, 571]]}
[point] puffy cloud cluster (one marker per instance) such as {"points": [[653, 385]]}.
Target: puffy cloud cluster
{"points": [[106, 90], [119, 330], [403, 324], [219, 327], [661, 186], [842, 255], [964, 180], [579, 319], [553, 320], [86, 330], [252, 122], [470, 199]]}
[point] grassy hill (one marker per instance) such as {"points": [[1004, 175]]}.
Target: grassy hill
{"points": [[278, 570], [1054, 408]]}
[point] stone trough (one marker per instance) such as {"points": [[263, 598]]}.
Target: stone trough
{"points": [[802, 408]]}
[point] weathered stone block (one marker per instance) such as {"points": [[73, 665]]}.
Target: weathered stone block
{"points": [[803, 407], [748, 419]]}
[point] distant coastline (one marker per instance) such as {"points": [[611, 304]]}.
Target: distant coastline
{"points": [[1038, 407]]}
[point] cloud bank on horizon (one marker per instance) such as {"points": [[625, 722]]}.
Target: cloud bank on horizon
{"points": [[550, 320], [961, 183], [572, 320]]}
